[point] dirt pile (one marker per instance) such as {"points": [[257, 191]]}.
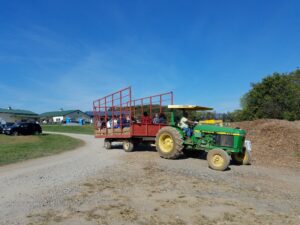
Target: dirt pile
{"points": [[274, 142]]}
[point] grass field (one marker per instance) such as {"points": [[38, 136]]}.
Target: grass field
{"points": [[87, 129], [18, 148]]}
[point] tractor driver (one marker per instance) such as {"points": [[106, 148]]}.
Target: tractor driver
{"points": [[185, 124]]}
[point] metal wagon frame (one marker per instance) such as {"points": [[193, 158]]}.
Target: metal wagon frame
{"points": [[120, 104]]}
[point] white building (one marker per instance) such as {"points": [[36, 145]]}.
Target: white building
{"points": [[64, 116]]}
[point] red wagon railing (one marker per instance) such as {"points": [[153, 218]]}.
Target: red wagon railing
{"points": [[118, 116]]}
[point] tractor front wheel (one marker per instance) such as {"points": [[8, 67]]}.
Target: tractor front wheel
{"points": [[128, 145], [242, 158], [218, 159], [169, 143]]}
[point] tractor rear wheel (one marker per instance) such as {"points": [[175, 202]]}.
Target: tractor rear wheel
{"points": [[169, 143], [218, 159], [242, 158], [107, 144], [128, 145]]}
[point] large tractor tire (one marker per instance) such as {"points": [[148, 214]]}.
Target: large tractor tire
{"points": [[242, 158], [169, 143], [128, 145], [107, 144], [218, 159]]}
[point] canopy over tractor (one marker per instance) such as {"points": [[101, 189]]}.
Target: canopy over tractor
{"points": [[189, 107], [118, 117]]}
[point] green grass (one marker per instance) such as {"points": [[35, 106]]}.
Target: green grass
{"points": [[86, 129], [19, 148]]}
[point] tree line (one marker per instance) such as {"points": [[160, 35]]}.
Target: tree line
{"points": [[277, 96]]}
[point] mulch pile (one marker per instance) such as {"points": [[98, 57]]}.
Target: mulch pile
{"points": [[274, 142]]}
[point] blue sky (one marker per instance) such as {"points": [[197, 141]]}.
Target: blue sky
{"points": [[64, 54]]}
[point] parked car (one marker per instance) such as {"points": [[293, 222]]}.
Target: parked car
{"points": [[3, 126], [23, 129]]}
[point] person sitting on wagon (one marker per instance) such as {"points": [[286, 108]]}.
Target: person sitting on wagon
{"points": [[134, 120], [108, 124], [162, 118], [99, 124], [122, 122], [185, 124], [127, 121], [145, 118], [114, 122], [156, 119]]}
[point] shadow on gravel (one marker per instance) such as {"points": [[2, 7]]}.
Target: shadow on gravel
{"points": [[138, 148], [194, 154]]}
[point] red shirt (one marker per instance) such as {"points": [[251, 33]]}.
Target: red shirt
{"points": [[146, 120]]}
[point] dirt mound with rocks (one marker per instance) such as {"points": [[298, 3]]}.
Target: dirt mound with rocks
{"points": [[274, 142]]}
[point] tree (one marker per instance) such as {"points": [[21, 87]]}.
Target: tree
{"points": [[277, 96]]}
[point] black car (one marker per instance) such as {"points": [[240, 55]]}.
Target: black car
{"points": [[3, 126], [23, 128]]}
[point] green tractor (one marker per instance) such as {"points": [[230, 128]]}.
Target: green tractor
{"points": [[220, 143]]}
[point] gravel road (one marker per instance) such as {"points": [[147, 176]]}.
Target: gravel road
{"points": [[30, 185], [91, 185]]}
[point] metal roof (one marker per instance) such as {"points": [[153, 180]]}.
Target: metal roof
{"points": [[18, 112], [59, 113]]}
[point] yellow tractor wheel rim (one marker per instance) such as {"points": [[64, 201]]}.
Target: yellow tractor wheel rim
{"points": [[166, 143], [217, 160]]}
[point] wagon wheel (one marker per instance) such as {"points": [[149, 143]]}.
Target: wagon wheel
{"points": [[107, 144], [128, 145]]}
